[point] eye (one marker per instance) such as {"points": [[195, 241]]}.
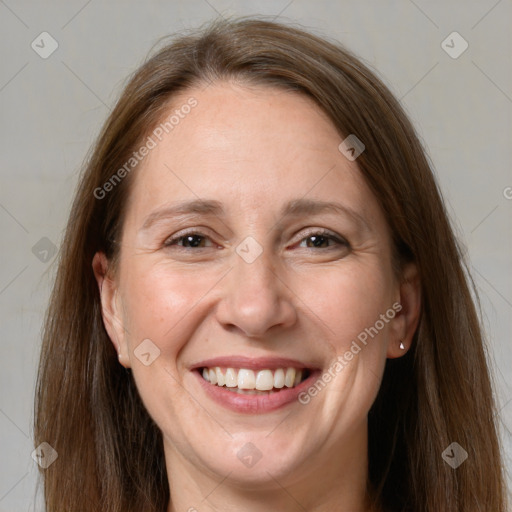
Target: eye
{"points": [[188, 240], [323, 239]]}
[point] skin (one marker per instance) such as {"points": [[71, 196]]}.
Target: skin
{"points": [[254, 149]]}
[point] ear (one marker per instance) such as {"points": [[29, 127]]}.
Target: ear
{"points": [[110, 307], [407, 318]]}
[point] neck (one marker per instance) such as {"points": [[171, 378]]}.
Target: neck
{"points": [[334, 479]]}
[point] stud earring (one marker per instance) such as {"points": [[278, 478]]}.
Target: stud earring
{"points": [[402, 347]]}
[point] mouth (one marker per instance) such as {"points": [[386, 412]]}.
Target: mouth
{"points": [[250, 382], [248, 385]]}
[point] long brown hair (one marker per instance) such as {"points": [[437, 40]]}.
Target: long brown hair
{"points": [[87, 405]]}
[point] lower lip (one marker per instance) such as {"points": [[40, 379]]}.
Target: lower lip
{"points": [[254, 404]]}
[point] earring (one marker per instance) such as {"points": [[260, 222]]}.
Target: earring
{"points": [[402, 347]]}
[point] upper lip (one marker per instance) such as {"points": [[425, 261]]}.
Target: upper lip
{"points": [[251, 363]]}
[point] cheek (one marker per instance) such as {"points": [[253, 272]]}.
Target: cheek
{"points": [[159, 303], [350, 303], [348, 299]]}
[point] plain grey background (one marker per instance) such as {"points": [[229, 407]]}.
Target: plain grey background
{"points": [[51, 109]]}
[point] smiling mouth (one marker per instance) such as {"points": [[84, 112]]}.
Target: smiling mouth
{"points": [[249, 382]]}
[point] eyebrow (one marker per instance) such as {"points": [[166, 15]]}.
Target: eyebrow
{"points": [[294, 208]]}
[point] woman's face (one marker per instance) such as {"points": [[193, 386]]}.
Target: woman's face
{"points": [[252, 247]]}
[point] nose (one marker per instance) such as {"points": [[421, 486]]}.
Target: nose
{"points": [[256, 298]]}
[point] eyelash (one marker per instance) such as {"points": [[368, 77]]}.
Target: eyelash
{"points": [[319, 232]]}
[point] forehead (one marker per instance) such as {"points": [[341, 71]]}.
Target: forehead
{"points": [[232, 121], [254, 147]]}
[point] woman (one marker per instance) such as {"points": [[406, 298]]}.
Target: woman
{"points": [[260, 303]]}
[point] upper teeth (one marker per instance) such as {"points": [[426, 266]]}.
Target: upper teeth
{"points": [[262, 380]]}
